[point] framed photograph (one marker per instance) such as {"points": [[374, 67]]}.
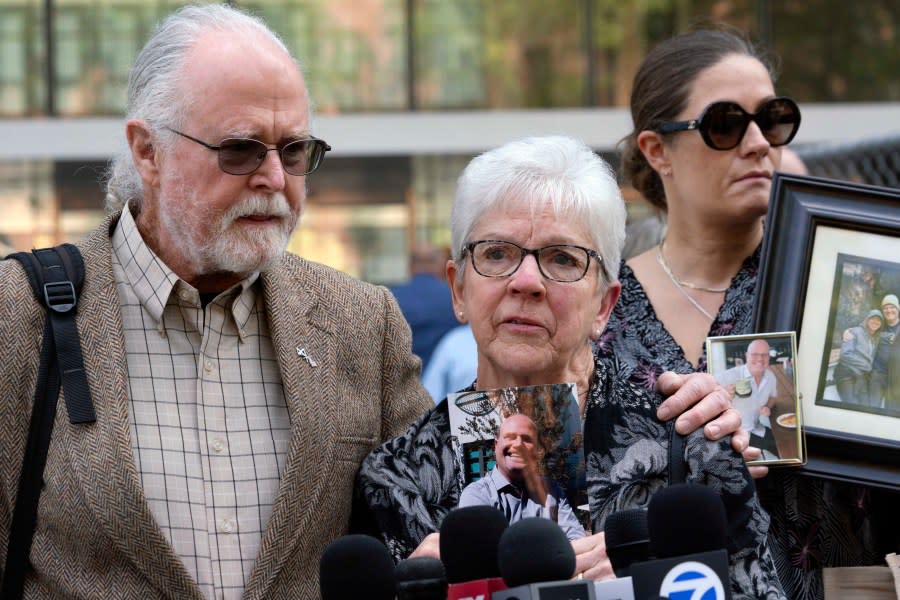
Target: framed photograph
{"points": [[759, 371], [831, 272]]}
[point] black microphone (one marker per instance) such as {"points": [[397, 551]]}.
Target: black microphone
{"points": [[537, 561], [356, 566], [534, 550], [421, 578], [685, 519], [627, 539], [468, 545], [688, 534]]}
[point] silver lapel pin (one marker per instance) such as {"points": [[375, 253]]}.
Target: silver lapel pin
{"points": [[302, 353]]}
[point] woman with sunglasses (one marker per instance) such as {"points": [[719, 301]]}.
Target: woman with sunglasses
{"points": [[708, 134]]}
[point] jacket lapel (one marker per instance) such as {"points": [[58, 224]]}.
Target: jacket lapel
{"points": [[306, 352], [101, 453]]}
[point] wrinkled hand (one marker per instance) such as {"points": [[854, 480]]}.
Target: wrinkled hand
{"points": [[430, 546], [697, 399], [591, 561], [848, 336]]}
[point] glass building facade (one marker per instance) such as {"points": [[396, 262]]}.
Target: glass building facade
{"points": [[407, 91]]}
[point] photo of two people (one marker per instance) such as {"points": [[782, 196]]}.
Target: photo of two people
{"points": [[861, 363]]}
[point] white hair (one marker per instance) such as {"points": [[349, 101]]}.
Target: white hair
{"points": [[155, 93], [538, 171]]}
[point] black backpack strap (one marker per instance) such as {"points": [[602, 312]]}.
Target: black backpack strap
{"points": [[56, 276]]}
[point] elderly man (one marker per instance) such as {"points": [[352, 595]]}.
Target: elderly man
{"points": [[755, 391], [886, 354], [514, 485], [236, 387]]}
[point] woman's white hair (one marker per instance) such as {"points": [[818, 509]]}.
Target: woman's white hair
{"points": [[537, 171], [155, 91]]}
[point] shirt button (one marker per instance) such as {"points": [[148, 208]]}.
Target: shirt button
{"points": [[227, 525], [218, 444], [208, 366], [184, 295]]}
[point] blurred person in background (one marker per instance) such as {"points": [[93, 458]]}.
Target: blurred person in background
{"points": [[425, 299], [708, 133], [453, 364], [792, 163]]}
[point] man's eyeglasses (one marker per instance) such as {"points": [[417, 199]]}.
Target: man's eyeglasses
{"points": [[560, 262], [240, 156], [723, 124]]}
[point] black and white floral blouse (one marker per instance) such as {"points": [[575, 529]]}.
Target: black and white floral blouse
{"points": [[410, 483], [627, 447]]}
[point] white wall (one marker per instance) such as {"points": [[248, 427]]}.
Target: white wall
{"points": [[419, 133]]}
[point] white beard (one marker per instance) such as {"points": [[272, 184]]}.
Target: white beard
{"points": [[222, 246]]}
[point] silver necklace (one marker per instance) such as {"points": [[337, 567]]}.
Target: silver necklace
{"points": [[677, 284], [661, 258]]}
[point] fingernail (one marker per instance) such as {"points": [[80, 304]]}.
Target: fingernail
{"points": [[714, 430], [664, 413]]}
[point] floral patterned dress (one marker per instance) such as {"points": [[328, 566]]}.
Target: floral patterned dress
{"points": [[627, 447], [814, 522]]}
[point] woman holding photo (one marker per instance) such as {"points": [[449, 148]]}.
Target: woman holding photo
{"points": [[709, 131], [536, 226]]}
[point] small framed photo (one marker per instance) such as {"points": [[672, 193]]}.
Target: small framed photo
{"points": [[759, 370], [830, 271]]}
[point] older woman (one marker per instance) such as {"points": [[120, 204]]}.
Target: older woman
{"points": [[537, 225], [708, 133]]}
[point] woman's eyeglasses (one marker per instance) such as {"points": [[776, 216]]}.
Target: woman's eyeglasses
{"points": [[240, 156], [723, 124], [560, 262]]}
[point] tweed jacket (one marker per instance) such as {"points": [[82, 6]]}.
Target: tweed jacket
{"points": [[96, 536]]}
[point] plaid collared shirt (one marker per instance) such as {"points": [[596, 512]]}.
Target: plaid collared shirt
{"points": [[209, 422]]}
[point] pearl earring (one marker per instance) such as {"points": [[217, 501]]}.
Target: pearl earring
{"points": [[460, 313]]}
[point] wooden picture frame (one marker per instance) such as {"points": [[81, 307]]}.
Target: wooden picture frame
{"points": [[819, 235]]}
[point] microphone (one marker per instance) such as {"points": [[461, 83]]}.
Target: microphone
{"points": [[421, 578], [534, 550], [627, 539], [356, 566], [688, 534], [537, 561], [468, 546]]}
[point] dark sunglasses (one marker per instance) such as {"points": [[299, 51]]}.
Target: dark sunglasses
{"points": [[723, 124], [240, 156]]}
